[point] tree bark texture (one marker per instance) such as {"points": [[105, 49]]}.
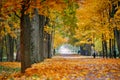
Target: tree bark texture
{"points": [[25, 49], [103, 49], [9, 43], [1, 50], [35, 42], [11, 48], [45, 45], [49, 45], [110, 48], [41, 36], [117, 36], [17, 43]]}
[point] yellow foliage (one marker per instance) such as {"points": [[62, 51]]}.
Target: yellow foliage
{"points": [[12, 34], [59, 40], [93, 18], [2, 34], [48, 29], [8, 29], [16, 25]]}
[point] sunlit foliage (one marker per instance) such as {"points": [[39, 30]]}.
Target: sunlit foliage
{"points": [[59, 39], [64, 10], [95, 17]]}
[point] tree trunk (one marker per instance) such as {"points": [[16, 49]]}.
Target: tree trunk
{"points": [[45, 45], [110, 48], [9, 41], [18, 58], [35, 40], [49, 46], [117, 36], [52, 44], [17, 43], [113, 47], [1, 40], [103, 49], [1, 50], [41, 35], [31, 39], [116, 32], [1, 53], [7, 47], [1, 46], [11, 48], [25, 49], [105, 45], [47, 42], [118, 44]]}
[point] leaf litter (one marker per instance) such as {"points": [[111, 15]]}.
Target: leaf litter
{"points": [[67, 69]]}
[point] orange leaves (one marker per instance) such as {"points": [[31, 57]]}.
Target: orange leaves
{"points": [[7, 69], [52, 70], [65, 69], [10, 64], [11, 30], [43, 6], [55, 4], [59, 68], [48, 6], [7, 9], [11, 6]]}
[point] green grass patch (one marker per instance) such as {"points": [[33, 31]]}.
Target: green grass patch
{"points": [[8, 69]]}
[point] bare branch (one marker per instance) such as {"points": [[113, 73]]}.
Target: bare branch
{"points": [[16, 14]]}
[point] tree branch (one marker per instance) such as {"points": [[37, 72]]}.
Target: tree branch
{"points": [[16, 14]]}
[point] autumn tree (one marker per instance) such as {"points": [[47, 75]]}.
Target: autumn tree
{"points": [[33, 17], [115, 16], [98, 19]]}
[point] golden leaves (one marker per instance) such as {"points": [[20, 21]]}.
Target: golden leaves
{"points": [[2, 34], [11, 30], [59, 68], [10, 6], [59, 39], [65, 69], [10, 22], [48, 29], [93, 17], [10, 64], [48, 6]]}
